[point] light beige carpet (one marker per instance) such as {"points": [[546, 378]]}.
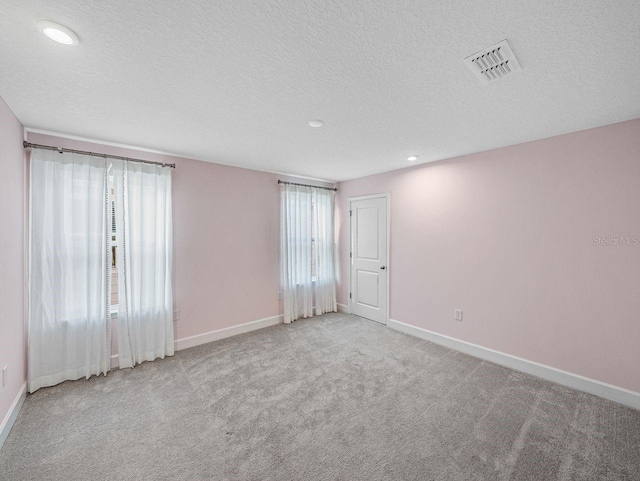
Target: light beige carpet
{"points": [[331, 398]]}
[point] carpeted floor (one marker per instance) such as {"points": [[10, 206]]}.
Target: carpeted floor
{"points": [[331, 398]]}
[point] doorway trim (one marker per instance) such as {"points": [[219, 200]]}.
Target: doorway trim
{"points": [[367, 197]]}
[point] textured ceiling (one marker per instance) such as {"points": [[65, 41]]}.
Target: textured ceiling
{"points": [[235, 82]]}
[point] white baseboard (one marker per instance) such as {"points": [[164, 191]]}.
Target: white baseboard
{"points": [[344, 308], [575, 381], [9, 419], [191, 341]]}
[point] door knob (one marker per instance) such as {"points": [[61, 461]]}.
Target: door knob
{"points": [[383, 267]]}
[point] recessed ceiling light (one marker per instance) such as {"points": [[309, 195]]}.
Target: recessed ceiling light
{"points": [[412, 158], [58, 33], [316, 123]]}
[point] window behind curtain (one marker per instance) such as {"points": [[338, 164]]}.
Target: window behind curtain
{"points": [[307, 254]]}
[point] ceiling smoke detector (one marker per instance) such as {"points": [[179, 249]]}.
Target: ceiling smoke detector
{"points": [[493, 63]]}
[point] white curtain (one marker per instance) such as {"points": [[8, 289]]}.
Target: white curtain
{"points": [[307, 251], [325, 283], [70, 259], [144, 229]]}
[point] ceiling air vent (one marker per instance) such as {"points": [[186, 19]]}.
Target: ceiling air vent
{"points": [[493, 63]]}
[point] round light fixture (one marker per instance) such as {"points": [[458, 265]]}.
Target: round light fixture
{"points": [[412, 158], [316, 123], [58, 33]]}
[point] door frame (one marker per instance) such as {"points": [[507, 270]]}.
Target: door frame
{"points": [[368, 197]]}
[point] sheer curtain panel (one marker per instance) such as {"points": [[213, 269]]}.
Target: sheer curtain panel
{"points": [[69, 330], [296, 251], [325, 282], [144, 229]]}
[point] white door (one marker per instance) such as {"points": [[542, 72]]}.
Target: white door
{"points": [[369, 269]]}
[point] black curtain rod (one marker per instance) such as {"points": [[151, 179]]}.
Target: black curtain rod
{"points": [[28, 145], [307, 185]]}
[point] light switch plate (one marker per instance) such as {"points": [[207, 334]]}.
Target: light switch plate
{"points": [[458, 314]]}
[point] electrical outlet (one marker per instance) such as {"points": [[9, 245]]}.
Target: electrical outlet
{"points": [[176, 315], [279, 295], [458, 314], [5, 378]]}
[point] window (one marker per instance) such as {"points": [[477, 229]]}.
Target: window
{"points": [[313, 243], [114, 259], [307, 251]]}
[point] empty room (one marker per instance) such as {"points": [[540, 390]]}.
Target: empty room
{"points": [[320, 240]]}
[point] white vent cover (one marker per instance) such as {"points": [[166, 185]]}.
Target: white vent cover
{"points": [[493, 63]]}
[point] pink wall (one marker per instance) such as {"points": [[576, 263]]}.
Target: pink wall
{"points": [[226, 239], [508, 236], [12, 311]]}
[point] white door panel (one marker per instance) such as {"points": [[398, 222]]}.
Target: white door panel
{"points": [[367, 221], [367, 293], [369, 270]]}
